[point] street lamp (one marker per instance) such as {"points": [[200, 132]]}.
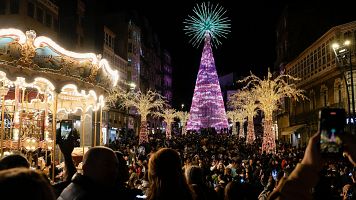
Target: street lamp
{"points": [[343, 55], [132, 86], [182, 106]]}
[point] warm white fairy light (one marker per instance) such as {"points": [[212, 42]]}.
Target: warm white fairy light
{"points": [[68, 92], [114, 74], [235, 116], [245, 101], [13, 33], [270, 93], [103, 63], [42, 41], [145, 103], [30, 144], [15, 134], [84, 101], [183, 117], [43, 85], [168, 116]]}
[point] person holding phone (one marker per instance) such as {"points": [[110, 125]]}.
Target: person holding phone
{"points": [[306, 174], [332, 123]]}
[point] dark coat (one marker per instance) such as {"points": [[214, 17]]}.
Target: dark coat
{"points": [[82, 188]]}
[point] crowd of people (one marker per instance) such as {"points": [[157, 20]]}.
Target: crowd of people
{"points": [[199, 166]]}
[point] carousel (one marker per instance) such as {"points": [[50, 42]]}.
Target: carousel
{"points": [[45, 88]]}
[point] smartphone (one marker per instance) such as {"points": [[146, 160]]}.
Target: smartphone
{"points": [[332, 123], [274, 174], [141, 197], [66, 126]]}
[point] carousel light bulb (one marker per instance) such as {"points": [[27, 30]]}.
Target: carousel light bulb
{"points": [[15, 133]]}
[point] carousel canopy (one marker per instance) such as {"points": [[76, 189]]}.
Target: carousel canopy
{"points": [[25, 56]]}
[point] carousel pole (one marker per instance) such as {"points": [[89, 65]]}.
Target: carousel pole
{"points": [[2, 125], [95, 119], [15, 120], [45, 128], [20, 116], [54, 133], [83, 122], [101, 126]]}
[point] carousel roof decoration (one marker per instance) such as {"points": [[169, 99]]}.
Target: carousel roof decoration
{"points": [[29, 56]]}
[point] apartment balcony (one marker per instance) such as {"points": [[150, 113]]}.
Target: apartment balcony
{"points": [[304, 118], [50, 5], [311, 116]]}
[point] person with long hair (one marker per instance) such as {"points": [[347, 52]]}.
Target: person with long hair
{"points": [[24, 183], [166, 178]]}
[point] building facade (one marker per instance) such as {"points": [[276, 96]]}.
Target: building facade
{"points": [[167, 76], [40, 15], [325, 81], [301, 24], [72, 25]]}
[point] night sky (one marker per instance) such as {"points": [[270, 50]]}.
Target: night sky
{"points": [[249, 46]]}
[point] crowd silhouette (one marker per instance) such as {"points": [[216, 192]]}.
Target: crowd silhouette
{"points": [[196, 166]]}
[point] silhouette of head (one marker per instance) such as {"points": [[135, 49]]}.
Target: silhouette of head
{"points": [[101, 165], [166, 165], [12, 161], [166, 176], [123, 168], [194, 175], [24, 183]]}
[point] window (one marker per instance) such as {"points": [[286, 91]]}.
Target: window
{"points": [[312, 100], [130, 34], [31, 9], [2, 7], [109, 40], [338, 91], [324, 96], [55, 24], [48, 20], [14, 6], [129, 47], [39, 15]]}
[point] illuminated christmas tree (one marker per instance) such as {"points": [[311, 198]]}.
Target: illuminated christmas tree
{"points": [[207, 108]]}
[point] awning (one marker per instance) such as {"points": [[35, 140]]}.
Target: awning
{"points": [[292, 129]]}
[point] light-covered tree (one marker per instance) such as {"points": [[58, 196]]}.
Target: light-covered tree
{"points": [[270, 93], [237, 115], [183, 116], [145, 104], [168, 116], [245, 100], [113, 97]]}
